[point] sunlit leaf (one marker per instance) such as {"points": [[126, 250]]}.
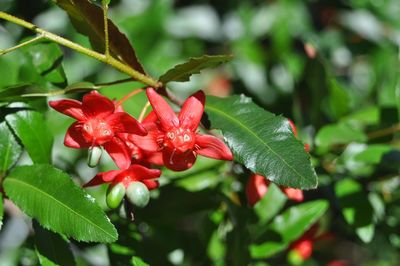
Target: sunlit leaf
{"points": [[50, 196], [31, 128], [261, 141]]}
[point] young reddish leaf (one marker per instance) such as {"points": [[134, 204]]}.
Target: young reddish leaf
{"points": [[88, 20]]}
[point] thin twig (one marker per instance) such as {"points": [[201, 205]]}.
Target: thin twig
{"points": [[5, 51], [79, 48]]}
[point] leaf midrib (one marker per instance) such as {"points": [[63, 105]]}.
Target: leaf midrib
{"points": [[6, 157], [60, 203], [255, 135]]}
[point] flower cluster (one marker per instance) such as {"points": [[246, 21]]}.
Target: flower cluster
{"points": [[163, 138], [257, 185]]}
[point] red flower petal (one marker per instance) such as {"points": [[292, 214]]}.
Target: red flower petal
{"points": [[102, 178], [213, 147], [95, 104], [124, 123], [72, 108], [164, 112], [148, 142], [294, 129], [139, 172], [151, 184], [304, 248], [293, 194], [178, 162], [256, 188], [192, 110], [136, 172], [153, 158], [119, 152], [74, 138], [151, 117]]}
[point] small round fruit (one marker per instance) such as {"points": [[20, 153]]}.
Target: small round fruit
{"points": [[115, 194], [138, 194], [94, 156]]}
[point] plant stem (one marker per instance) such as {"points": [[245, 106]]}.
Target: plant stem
{"points": [[79, 48], [143, 112], [384, 132], [129, 95], [5, 51], [107, 41]]}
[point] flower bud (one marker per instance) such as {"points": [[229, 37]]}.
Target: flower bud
{"points": [[138, 194], [115, 194], [94, 156]]}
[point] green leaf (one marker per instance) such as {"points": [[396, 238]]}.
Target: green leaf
{"points": [[356, 208], [373, 153], [32, 130], [50, 196], [52, 248], [136, 261], [20, 92], [182, 72], [88, 20], [261, 141], [336, 134], [297, 219], [290, 226], [270, 204], [10, 150], [47, 59]]}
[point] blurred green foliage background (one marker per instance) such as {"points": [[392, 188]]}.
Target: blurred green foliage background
{"points": [[331, 66]]}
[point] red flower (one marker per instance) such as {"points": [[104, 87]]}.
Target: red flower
{"points": [[135, 172], [257, 187], [98, 124], [175, 135]]}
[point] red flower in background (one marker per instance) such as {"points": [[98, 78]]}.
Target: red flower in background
{"points": [[175, 135], [257, 187], [135, 172], [98, 124], [304, 245]]}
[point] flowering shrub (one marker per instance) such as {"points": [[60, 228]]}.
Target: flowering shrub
{"points": [[150, 153]]}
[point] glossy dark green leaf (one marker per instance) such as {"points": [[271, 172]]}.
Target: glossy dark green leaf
{"points": [[356, 208], [289, 226], [52, 247], [47, 59], [183, 72], [261, 141], [336, 134], [50, 196], [10, 150], [88, 20], [34, 134]]}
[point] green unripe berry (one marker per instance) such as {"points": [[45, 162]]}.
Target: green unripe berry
{"points": [[115, 194], [294, 258], [138, 194], [94, 156]]}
